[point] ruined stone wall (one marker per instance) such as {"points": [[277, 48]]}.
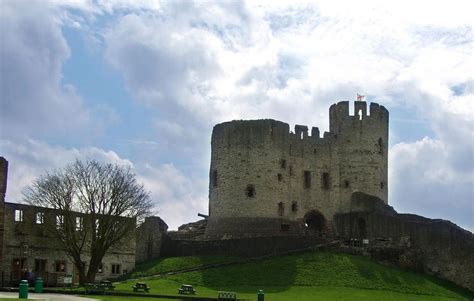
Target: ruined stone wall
{"points": [[149, 239], [26, 241], [245, 246], [445, 249], [264, 179]]}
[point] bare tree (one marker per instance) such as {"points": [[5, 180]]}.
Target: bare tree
{"points": [[97, 204]]}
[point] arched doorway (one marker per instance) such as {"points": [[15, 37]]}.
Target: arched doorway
{"points": [[362, 227], [315, 222]]}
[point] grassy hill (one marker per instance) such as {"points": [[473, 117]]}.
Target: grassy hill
{"points": [[309, 276]]}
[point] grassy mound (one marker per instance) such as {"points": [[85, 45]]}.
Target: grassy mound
{"points": [[164, 265], [301, 277]]}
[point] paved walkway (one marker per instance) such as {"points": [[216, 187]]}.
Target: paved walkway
{"points": [[47, 297]]}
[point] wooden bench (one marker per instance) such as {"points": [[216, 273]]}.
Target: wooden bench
{"points": [[92, 289], [141, 286], [186, 289], [107, 285], [227, 296]]}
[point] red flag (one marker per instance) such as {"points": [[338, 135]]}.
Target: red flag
{"points": [[360, 97]]}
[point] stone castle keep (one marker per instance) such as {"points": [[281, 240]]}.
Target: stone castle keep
{"points": [[271, 191], [265, 179]]}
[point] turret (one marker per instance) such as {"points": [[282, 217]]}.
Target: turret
{"points": [[361, 143]]}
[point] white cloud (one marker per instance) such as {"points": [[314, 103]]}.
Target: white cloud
{"points": [[33, 97], [177, 197], [290, 62], [200, 64], [31, 158]]}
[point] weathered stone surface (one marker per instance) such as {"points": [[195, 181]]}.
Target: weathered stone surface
{"points": [[259, 169], [247, 246], [149, 238], [438, 246], [24, 242]]}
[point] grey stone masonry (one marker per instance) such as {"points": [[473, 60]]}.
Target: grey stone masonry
{"points": [[263, 174]]}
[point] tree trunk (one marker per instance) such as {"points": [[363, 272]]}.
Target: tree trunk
{"points": [[92, 271], [80, 266], [82, 277]]}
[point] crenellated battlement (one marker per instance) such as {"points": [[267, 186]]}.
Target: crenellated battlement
{"points": [[340, 118], [263, 170], [341, 110], [263, 131]]}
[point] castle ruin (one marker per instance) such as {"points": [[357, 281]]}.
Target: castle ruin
{"points": [[266, 180]]}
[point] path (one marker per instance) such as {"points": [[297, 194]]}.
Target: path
{"points": [[49, 297]]}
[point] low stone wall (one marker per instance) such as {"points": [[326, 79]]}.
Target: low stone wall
{"points": [[247, 247], [225, 228]]}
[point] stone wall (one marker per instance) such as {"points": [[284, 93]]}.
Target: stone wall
{"points": [[149, 239], [443, 248], [261, 170], [246, 247], [26, 242]]}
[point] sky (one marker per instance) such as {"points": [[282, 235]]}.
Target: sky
{"points": [[142, 83]]}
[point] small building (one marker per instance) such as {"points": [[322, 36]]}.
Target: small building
{"points": [[26, 245]]}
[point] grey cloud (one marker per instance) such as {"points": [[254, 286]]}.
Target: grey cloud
{"points": [[423, 181]]}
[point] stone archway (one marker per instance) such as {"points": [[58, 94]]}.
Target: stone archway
{"points": [[315, 222], [362, 228]]}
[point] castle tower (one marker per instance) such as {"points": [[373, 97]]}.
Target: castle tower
{"points": [[266, 180], [361, 148]]}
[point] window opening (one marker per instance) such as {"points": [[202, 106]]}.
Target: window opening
{"points": [[294, 206], [100, 269], [325, 179], [60, 266], [214, 178], [283, 163], [79, 223], [250, 191], [280, 177], [382, 185], [347, 184], [59, 221], [360, 114], [39, 218], [18, 215], [115, 268], [281, 209], [40, 265], [307, 179], [380, 145]]}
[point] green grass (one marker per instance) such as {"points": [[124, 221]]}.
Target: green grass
{"points": [[309, 276], [314, 294], [116, 298], [164, 265]]}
